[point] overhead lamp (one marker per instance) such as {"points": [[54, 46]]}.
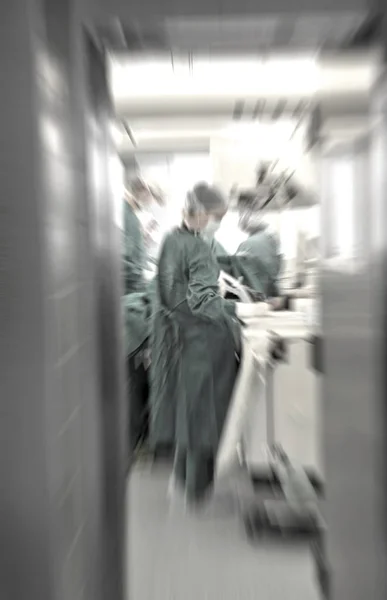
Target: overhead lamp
{"points": [[251, 76]]}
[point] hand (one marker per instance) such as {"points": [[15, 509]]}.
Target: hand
{"points": [[222, 287], [276, 303]]}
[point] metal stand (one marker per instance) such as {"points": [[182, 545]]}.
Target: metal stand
{"points": [[294, 515]]}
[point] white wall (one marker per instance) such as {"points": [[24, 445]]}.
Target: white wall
{"points": [[117, 176], [288, 225], [176, 174], [236, 155]]}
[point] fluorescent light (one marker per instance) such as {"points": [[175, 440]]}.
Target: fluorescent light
{"points": [[239, 78], [217, 78], [348, 78], [171, 135]]}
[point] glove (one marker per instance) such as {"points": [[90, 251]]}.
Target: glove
{"points": [[222, 287]]}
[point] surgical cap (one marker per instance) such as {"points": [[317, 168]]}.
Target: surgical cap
{"points": [[192, 205], [210, 197], [204, 199]]}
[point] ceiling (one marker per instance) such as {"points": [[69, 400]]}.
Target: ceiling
{"points": [[231, 35], [177, 85]]}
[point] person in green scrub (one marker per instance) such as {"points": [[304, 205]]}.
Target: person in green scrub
{"points": [[258, 259], [194, 336], [134, 251], [136, 310]]}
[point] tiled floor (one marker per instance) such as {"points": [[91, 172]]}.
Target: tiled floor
{"points": [[178, 556]]}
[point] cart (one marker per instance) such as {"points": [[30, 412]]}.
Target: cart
{"points": [[293, 513]]}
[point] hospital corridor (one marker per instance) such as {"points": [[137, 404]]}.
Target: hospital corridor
{"points": [[193, 316]]}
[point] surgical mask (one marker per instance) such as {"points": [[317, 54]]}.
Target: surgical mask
{"points": [[212, 228]]}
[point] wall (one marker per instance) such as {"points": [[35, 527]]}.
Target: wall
{"points": [[112, 399], [288, 226], [175, 174], [22, 431], [235, 157], [62, 494], [347, 217], [117, 178], [354, 387], [234, 160]]}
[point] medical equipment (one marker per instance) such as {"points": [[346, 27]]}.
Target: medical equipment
{"points": [[296, 512], [241, 426]]}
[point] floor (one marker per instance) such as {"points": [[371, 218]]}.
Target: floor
{"points": [[174, 555]]}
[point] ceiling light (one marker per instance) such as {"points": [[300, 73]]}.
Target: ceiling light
{"points": [[178, 134], [221, 77]]}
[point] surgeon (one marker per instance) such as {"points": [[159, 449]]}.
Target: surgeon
{"points": [[193, 343], [258, 258], [134, 251]]}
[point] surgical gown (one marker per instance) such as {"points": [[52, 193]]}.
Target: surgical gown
{"points": [[215, 246], [136, 313], [257, 263], [193, 341], [260, 250], [134, 255]]}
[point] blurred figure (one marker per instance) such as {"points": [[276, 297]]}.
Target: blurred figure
{"points": [[233, 195], [152, 217], [260, 253], [263, 171], [150, 230], [217, 205], [193, 343], [134, 252]]}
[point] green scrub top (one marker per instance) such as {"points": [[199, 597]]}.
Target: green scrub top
{"points": [[257, 256], [194, 336], [133, 253]]}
